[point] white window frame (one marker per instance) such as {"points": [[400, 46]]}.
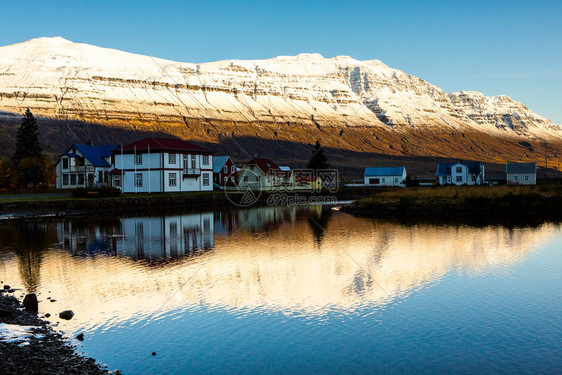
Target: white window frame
{"points": [[526, 178], [138, 180], [65, 179], [138, 159], [117, 180], [232, 169], [206, 179], [225, 169], [459, 179], [67, 160], [172, 180], [205, 160], [172, 158]]}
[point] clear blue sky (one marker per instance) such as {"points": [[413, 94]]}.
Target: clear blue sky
{"points": [[499, 47]]}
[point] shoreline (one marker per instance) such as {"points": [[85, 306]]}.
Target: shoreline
{"points": [[42, 350], [464, 205]]}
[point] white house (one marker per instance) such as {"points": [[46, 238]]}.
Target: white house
{"points": [[385, 176], [263, 174], [162, 165], [521, 173], [84, 166], [470, 173]]}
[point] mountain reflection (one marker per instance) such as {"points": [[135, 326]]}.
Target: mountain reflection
{"points": [[288, 259]]}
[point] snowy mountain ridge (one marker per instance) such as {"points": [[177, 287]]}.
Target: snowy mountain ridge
{"points": [[63, 80]]}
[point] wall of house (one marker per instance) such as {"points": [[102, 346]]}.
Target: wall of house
{"points": [[84, 171], [386, 180], [522, 178], [255, 178]]}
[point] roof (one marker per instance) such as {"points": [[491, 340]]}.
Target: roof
{"points": [[521, 168], [285, 168], [163, 144], [219, 162], [94, 154], [384, 171], [265, 165], [444, 169]]}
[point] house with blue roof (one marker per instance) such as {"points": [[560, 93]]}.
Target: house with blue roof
{"points": [[84, 166], [461, 173], [385, 176]]}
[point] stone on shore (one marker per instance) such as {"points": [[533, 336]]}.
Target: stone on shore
{"points": [[66, 314], [30, 303]]}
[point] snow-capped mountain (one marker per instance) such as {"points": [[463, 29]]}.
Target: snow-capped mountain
{"points": [[370, 106]]}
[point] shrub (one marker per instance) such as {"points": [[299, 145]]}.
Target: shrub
{"points": [[108, 192], [101, 192], [80, 192]]}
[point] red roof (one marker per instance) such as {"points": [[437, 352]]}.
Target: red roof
{"points": [[265, 165], [162, 144]]}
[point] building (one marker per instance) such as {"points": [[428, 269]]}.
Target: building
{"points": [[385, 176], [84, 166], [470, 173], [162, 165], [263, 174], [521, 173], [224, 170]]}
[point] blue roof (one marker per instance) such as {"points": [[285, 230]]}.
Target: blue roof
{"points": [[219, 162], [444, 169], [95, 154], [384, 171]]}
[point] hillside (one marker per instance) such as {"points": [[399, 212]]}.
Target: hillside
{"points": [[365, 112]]}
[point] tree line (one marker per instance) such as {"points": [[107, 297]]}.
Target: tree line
{"points": [[28, 166]]}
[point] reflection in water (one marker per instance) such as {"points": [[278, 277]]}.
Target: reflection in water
{"points": [[253, 262]]}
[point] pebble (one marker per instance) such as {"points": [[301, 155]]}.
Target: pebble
{"points": [[80, 337], [153, 353], [66, 314]]}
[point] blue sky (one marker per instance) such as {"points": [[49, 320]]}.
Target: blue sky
{"points": [[500, 47]]}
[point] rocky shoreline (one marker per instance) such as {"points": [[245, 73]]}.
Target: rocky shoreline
{"points": [[40, 350]]}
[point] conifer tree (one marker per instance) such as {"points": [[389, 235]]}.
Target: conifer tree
{"points": [[27, 140], [318, 160]]}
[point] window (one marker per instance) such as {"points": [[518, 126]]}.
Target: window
{"points": [[374, 181], [172, 179], [173, 229], [172, 158], [138, 179], [459, 169], [205, 159], [382, 180], [526, 178], [193, 164], [138, 159], [232, 169], [206, 179], [65, 178], [206, 224], [245, 178], [100, 177], [65, 163], [73, 179], [516, 178], [80, 179], [459, 178], [117, 181], [225, 169], [251, 167], [395, 179], [473, 178]]}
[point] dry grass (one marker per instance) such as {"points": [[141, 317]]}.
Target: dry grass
{"points": [[461, 191]]}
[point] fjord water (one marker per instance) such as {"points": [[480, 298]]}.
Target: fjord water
{"points": [[295, 290]]}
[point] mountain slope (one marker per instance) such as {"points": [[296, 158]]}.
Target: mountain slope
{"points": [[361, 106]]}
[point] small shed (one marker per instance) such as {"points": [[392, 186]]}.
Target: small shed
{"points": [[385, 176], [521, 173]]}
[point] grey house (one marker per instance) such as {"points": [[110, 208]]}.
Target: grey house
{"points": [[521, 173]]}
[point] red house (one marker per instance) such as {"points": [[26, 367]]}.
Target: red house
{"points": [[224, 170]]}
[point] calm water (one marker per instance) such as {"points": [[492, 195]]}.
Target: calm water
{"points": [[267, 290]]}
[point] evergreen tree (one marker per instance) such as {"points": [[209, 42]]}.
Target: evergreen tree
{"points": [[27, 139], [318, 160]]}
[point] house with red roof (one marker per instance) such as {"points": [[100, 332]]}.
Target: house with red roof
{"points": [[162, 165], [263, 174]]}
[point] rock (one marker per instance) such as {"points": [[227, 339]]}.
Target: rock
{"points": [[80, 337], [6, 287], [47, 315], [153, 353], [66, 314], [4, 313], [30, 303], [53, 300]]}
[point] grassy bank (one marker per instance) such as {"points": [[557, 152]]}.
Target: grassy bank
{"points": [[473, 203]]}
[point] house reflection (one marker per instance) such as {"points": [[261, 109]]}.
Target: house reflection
{"points": [[148, 238]]}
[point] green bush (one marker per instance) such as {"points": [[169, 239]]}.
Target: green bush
{"points": [[80, 192], [108, 192]]}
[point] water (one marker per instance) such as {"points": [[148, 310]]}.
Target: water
{"points": [[268, 290]]}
